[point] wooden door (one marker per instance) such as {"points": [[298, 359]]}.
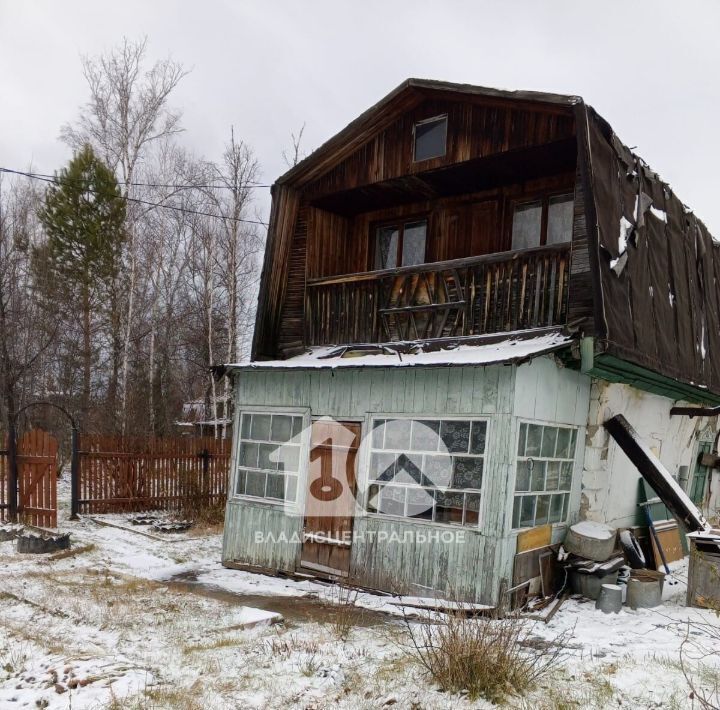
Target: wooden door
{"points": [[37, 478], [330, 498]]}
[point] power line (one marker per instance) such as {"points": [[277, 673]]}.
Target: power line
{"points": [[176, 186], [58, 181]]}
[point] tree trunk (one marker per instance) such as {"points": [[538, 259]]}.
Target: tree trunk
{"points": [[87, 354]]}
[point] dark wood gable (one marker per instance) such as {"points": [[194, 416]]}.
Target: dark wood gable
{"points": [[500, 146]]}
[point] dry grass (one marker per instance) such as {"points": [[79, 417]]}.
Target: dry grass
{"points": [[484, 657], [157, 698], [344, 615]]}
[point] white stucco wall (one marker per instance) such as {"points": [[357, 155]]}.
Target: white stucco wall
{"points": [[609, 480]]}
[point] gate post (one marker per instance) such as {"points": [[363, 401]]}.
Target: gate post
{"points": [[74, 475], [12, 473], [205, 457]]}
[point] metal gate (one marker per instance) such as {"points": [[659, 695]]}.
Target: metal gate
{"points": [[36, 460]]}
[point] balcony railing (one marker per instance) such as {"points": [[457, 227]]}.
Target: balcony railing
{"points": [[513, 290]]}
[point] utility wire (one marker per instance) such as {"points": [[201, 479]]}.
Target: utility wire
{"points": [[177, 186], [58, 181]]}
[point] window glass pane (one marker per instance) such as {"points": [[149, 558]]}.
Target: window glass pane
{"points": [[386, 246], [560, 219], [289, 456], [275, 486], [472, 508], [255, 484], [420, 503], [245, 426], [534, 439], [378, 433], [542, 510], [413, 243], [281, 428], [260, 430], [408, 470], [266, 454], [566, 468], [552, 482], [548, 442], [425, 433], [527, 222], [516, 511], [397, 434], [537, 476], [455, 434], [392, 500], [522, 478], [527, 511], [382, 466], [449, 507], [291, 488], [297, 426], [438, 471], [373, 499], [248, 455], [430, 138], [240, 484], [556, 507], [562, 448], [521, 439], [468, 472], [477, 439]]}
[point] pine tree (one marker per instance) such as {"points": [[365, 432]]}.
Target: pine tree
{"points": [[83, 216]]}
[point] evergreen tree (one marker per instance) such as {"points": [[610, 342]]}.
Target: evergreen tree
{"points": [[83, 216]]}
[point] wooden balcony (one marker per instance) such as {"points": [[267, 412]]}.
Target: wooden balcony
{"points": [[513, 290]]}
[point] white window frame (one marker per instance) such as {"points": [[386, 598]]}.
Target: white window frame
{"points": [[366, 451], [297, 506], [516, 458]]}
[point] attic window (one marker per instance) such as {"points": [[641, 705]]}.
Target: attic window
{"points": [[430, 138]]}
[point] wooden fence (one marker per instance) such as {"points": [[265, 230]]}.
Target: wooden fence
{"points": [[133, 474]]}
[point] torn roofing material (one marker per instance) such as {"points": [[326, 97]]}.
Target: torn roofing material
{"points": [[509, 348]]}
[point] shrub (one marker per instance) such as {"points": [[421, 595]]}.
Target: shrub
{"points": [[489, 657]]}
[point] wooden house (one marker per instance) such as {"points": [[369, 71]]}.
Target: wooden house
{"points": [[458, 289]]}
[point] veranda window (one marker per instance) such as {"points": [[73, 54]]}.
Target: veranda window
{"points": [[269, 456], [543, 479], [427, 469]]}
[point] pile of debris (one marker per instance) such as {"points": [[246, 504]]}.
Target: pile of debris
{"points": [[609, 568], [160, 522], [31, 540]]}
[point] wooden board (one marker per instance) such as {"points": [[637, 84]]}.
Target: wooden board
{"points": [[531, 539], [669, 537]]}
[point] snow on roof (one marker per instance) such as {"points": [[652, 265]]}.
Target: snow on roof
{"points": [[510, 349]]}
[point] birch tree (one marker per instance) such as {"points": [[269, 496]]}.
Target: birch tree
{"points": [[127, 114]]}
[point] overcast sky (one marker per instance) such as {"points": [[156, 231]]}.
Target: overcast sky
{"points": [[267, 67]]}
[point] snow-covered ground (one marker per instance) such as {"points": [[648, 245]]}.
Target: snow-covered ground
{"points": [[150, 621]]}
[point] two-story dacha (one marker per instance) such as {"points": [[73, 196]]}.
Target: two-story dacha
{"points": [[459, 288]]}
